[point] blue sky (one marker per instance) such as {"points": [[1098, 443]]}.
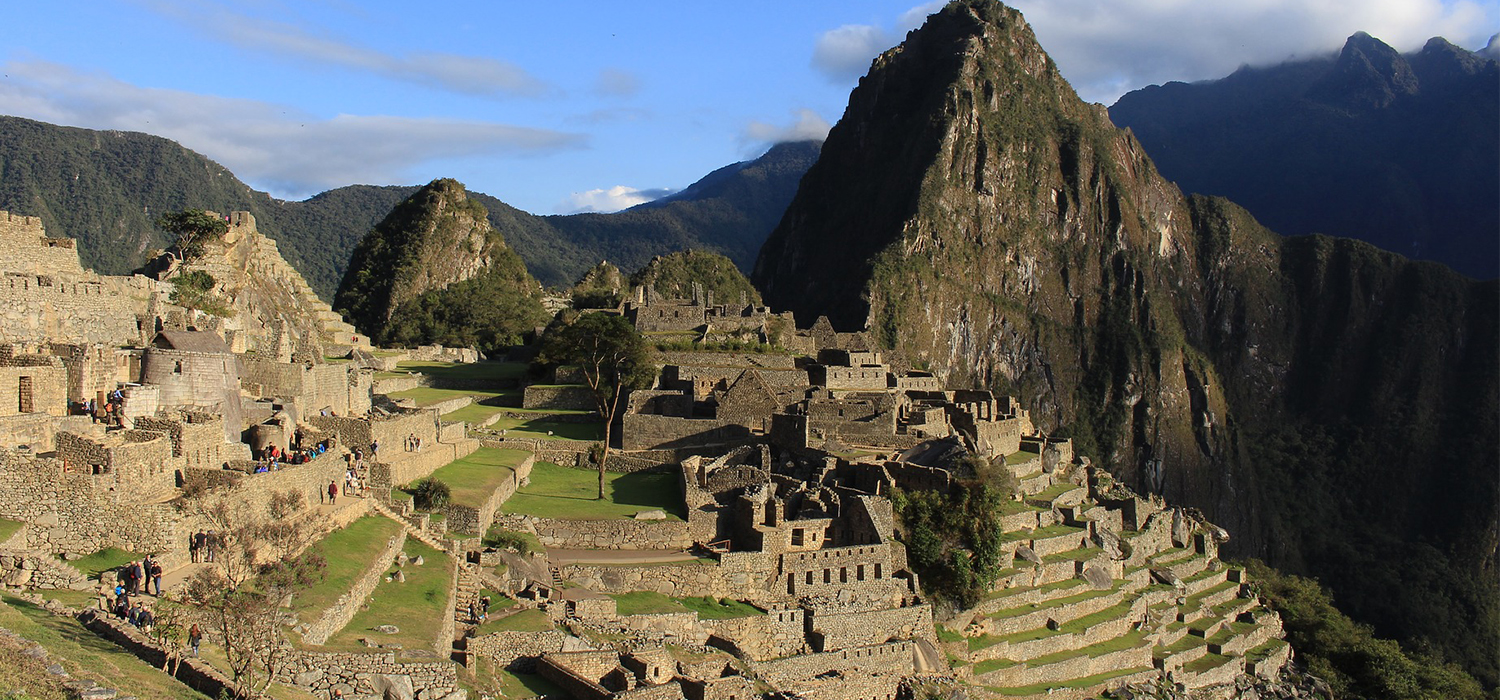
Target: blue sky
{"points": [[556, 107]]}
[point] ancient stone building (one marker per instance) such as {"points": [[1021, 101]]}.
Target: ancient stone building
{"points": [[195, 370]]}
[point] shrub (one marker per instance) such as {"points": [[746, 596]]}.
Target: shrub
{"points": [[430, 494]]}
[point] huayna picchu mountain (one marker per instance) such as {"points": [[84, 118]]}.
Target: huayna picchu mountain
{"points": [[1398, 150], [1334, 406], [436, 271]]}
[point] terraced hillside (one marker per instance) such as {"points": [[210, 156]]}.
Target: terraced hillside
{"points": [[1104, 588]]}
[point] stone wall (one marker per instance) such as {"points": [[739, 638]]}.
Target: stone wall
{"points": [[559, 397], [767, 361], [774, 635], [39, 431], [369, 675], [38, 388], [77, 513], [648, 432], [391, 385], [73, 308], [828, 631], [196, 380], [477, 520], [29, 570], [348, 604], [893, 658], [612, 534], [517, 651]]}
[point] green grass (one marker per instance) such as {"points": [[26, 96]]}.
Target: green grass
{"points": [[103, 560], [1207, 662], [427, 396], [475, 413], [992, 665], [719, 609], [531, 620], [1108, 646], [1054, 586], [418, 606], [474, 478], [81, 600], [1021, 457], [646, 603], [85, 654], [9, 528], [349, 552], [1047, 604], [475, 371], [569, 494], [1084, 682], [540, 427], [525, 685], [946, 635]]}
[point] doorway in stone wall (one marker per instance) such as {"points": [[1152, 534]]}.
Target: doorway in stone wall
{"points": [[26, 400]]}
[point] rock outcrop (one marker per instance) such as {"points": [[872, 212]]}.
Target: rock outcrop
{"points": [[984, 222]]}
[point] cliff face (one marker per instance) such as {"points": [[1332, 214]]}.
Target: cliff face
{"points": [[1405, 148], [985, 223]]}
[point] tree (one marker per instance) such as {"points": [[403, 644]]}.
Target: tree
{"points": [[613, 358], [193, 228]]}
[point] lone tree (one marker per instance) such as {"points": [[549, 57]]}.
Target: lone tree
{"points": [[613, 358], [193, 228]]}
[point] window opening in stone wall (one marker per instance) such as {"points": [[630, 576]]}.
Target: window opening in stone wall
{"points": [[797, 537], [177, 367], [24, 396]]}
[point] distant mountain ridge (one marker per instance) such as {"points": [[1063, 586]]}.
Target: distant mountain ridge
{"points": [[1398, 150], [104, 188]]}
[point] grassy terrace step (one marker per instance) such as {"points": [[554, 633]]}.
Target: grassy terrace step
{"points": [[569, 494], [1080, 554], [474, 478], [348, 552], [1007, 613], [417, 606], [1187, 642], [1041, 533], [1230, 631], [1209, 662], [1043, 589], [1072, 627], [1171, 556], [1109, 646], [1085, 682], [1265, 650], [1051, 493], [1196, 599]]}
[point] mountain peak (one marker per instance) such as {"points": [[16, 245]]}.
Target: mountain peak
{"points": [[1368, 74]]}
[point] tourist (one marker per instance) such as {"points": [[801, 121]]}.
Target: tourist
{"points": [[137, 577], [210, 543], [374, 449], [484, 608], [193, 548], [154, 571], [195, 638], [419, 444], [144, 620], [333, 492]]}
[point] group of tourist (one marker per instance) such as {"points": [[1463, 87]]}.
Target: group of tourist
{"points": [[107, 413], [202, 546], [139, 576], [272, 458], [413, 443]]}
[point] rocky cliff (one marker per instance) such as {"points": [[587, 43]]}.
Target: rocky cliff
{"points": [[397, 287], [1407, 152], [1334, 406]]}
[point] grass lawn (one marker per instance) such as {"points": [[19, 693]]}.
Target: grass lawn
{"points": [[103, 560], [719, 609], [85, 654], [569, 494], [1021, 457], [427, 396], [472, 371], [1084, 682], [473, 478], [349, 552], [530, 620], [417, 605], [646, 603], [540, 427], [82, 600], [9, 528]]}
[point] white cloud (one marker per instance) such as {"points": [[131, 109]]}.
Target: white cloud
{"points": [[475, 75], [614, 199], [1108, 47], [272, 147], [807, 126], [613, 82], [844, 54]]}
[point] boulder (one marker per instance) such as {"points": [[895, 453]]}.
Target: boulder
{"points": [[1166, 576], [388, 629], [1024, 552], [657, 514], [1097, 578], [307, 678], [389, 687]]}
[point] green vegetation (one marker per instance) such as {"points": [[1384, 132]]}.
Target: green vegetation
{"points": [[427, 396], [953, 539], [529, 620], [417, 606], [466, 371], [194, 290], [9, 528], [388, 292], [1348, 655], [673, 277], [191, 229], [472, 479], [84, 654], [348, 553], [645, 603], [430, 494], [719, 608], [602, 287], [501, 538], [104, 560], [568, 494], [544, 428], [611, 356]]}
